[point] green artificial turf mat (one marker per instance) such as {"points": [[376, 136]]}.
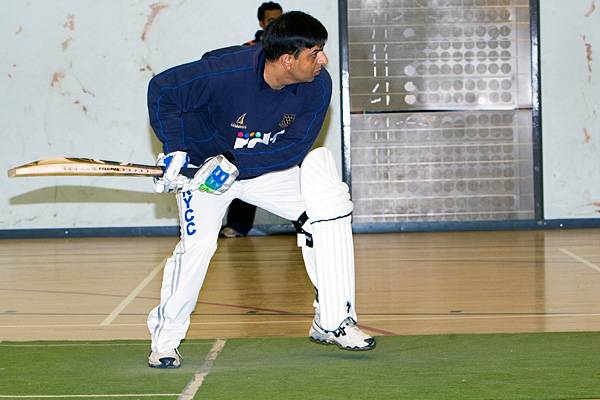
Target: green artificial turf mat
{"points": [[492, 366]]}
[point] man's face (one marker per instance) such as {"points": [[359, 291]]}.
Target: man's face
{"points": [[308, 64], [270, 16]]}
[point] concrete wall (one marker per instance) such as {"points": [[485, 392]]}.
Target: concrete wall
{"points": [[73, 82], [570, 33]]}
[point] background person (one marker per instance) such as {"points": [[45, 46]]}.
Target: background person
{"points": [[267, 13]]}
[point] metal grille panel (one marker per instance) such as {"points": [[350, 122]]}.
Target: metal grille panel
{"points": [[442, 166], [465, 62]]}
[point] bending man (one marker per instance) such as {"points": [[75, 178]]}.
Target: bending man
{"points": [[248, 117]]}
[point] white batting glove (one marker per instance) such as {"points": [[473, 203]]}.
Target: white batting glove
{"points": [[171, 181], [216, 176]]}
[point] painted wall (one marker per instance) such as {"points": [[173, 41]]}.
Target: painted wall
{"points": [[570, 34], [74, 76], [73, 80]]}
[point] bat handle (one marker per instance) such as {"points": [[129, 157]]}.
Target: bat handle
{"points": [[189, 172]]}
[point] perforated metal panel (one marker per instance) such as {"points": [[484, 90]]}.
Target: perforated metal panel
{"points": [[440, 100], [442, 166]]}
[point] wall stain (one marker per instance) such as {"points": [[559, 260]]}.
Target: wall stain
{"points": [[148, 68], [84, 90], [586, 135], [13, 67], [65, 44], [70, 22], [56, 78], [592, 9], [19, 30], [155, 9], [588, 56], [83, 107], [595, 204]]}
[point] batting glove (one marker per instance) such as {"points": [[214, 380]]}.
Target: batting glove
{"points": [[172, 163], [216, 176]]}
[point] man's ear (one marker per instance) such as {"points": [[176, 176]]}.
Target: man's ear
{"points": [[287, 60], [262, 24]]}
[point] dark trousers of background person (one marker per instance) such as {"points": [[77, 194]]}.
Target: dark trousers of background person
{"points": [[240, 216]]}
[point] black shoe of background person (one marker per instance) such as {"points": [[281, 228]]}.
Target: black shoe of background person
{"points": [[229, 232]]}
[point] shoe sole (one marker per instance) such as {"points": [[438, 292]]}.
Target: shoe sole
{"points": [[169, 363], [327, 343], [162, 366]]}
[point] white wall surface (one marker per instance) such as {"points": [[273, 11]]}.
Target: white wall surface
{"points": [[74, 81], [74, 76], [570, 44]]}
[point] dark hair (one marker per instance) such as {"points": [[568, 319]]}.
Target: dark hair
{"points": [[266, 6], [291, 33]]}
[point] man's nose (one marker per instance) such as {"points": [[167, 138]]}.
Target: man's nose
{"points": [[322, 60]]}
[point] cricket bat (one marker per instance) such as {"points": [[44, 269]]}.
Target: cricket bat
{"points": [[67, 166]]}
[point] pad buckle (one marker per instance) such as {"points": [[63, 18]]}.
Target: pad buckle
{"points": [[298, 224]]}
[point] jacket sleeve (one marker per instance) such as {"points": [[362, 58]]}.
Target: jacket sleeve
{"points": [[174, 92], [289, 148]]}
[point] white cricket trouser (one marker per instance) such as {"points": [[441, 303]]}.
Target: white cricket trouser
{"points": [[200, 217]]}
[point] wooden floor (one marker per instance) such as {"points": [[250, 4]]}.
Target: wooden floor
{"points": [[412, 283]]}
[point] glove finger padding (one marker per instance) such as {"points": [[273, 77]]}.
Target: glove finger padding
{"points": [[216, 176], [171, 181], [177, 185]]}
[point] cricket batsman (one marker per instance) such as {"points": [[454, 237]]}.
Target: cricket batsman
{"points": [[248, 116]]}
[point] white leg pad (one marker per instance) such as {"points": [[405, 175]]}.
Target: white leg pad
{"points": [[328, 207]]}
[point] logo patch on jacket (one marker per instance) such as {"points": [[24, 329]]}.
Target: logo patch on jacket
{"points": [[287, 120], [251, 139], [240, 122]]}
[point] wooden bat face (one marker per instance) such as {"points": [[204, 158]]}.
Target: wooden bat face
{"points": [[83, 167]]}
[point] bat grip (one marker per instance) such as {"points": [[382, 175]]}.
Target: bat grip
{"points": [[188, 172]]}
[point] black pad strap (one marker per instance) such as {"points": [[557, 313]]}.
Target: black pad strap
{"points": [[298, 224]]}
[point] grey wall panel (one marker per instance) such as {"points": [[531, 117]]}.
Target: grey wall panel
{"points": [[438, 55], [442, 166], [467, 64]]}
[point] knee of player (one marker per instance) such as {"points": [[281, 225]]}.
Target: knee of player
{"points": [[325, 195], [329, 203]]}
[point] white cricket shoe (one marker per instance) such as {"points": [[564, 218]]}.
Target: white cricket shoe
{"points": [[166, 359], [347, 337]]}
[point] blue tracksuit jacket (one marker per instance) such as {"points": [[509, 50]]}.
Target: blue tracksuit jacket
{"points": [[222, 103]]}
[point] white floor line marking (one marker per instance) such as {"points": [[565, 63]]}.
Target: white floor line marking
{"points": [[364, 319], [111, 317], [94, 344], [193, 385], [580, 259], [83, 396]]}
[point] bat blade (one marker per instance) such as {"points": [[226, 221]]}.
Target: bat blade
{"points": [[83, 167]]}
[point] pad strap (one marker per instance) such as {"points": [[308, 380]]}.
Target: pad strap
{"points": [[298, 225]]}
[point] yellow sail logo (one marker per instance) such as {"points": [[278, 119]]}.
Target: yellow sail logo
{"points": [[240, 122]]}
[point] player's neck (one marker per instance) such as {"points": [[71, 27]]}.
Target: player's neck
{"points": [[275, 76]]}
